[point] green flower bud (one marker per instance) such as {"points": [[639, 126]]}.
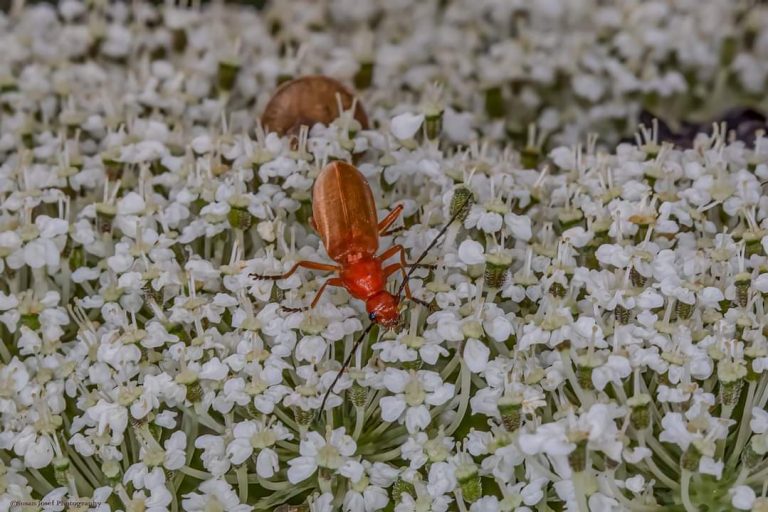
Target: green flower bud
{"points": [[61, 470], [621, 314], [494, 102], [578, 457], [511, 411], [105, 213], [557, 290], [240, 218], [194, 392], [31, 320], [433, 124], [401, 487], [640, 415], [227, 74], [584, 367], [364, 76], [530, 157], [690, 459], [496, 267], [179, 40], [751, 457], [731, 375], [358, 395], [302, 417], [461, 202], [416, 364], [742, 283], [684, 311], [469, 481]]}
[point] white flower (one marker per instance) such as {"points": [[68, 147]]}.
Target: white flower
{"points": [[476, 355], [471, 252], [414, 393], [442, 479], [742, 497], [406, 125], [214, 494], [519, 226], [332, 453], [253, 435], [36, 449]]}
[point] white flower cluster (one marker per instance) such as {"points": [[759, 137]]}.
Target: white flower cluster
{"points": [[595, 338]]}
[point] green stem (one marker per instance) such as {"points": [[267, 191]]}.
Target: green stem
{"points": [[685, 492], [577, 479], [658, 473], [743, 435], [242, 482], [196, 473], [359, 422], [465, 385]]}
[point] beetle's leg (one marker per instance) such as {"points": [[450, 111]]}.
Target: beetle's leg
{"points": [[333, 281], [392, 231], [390, 218], [399, 248], [313, 265]]}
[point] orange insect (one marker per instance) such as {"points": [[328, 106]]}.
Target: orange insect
{"points": [[344, 215]]}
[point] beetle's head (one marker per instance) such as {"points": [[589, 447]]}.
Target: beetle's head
{"points": [[383, 308]]}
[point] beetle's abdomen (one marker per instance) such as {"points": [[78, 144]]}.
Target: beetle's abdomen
{"points": [[344, 212]]}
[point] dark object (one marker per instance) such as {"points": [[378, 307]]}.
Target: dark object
{"points": [[744, 122]]}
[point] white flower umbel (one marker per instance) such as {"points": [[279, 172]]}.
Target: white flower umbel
{"points": [[589, 334]]}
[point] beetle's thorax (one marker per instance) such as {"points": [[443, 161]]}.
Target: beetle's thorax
{"points": [[362, 275]]}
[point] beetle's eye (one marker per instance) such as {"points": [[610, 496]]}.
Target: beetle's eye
{"points": [[372, 316]]}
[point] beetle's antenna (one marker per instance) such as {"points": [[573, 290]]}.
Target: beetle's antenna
{"points": [[346, 363], [432, 244]]}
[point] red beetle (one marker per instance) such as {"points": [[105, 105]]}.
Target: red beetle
{"points": [[344, 215]]}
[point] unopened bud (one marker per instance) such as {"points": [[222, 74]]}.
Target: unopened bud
{"points": [[638, 279], [461, 202], [578, 457], [151, 294], [433, 124], [364, 76], [690, 458], [731, 375], [470, 482], [496, 267], [585, 365], [640, 415], [557, 290], [742, 283], [530, 157], [239, 218], [194, 392], [511, 411], [105, 214], [358, 395], [227, 74], [401, 487], [751, 455], [416, 364], [621, 314], [61, 470], [684, 311], [494, 102], [303, 418]]}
